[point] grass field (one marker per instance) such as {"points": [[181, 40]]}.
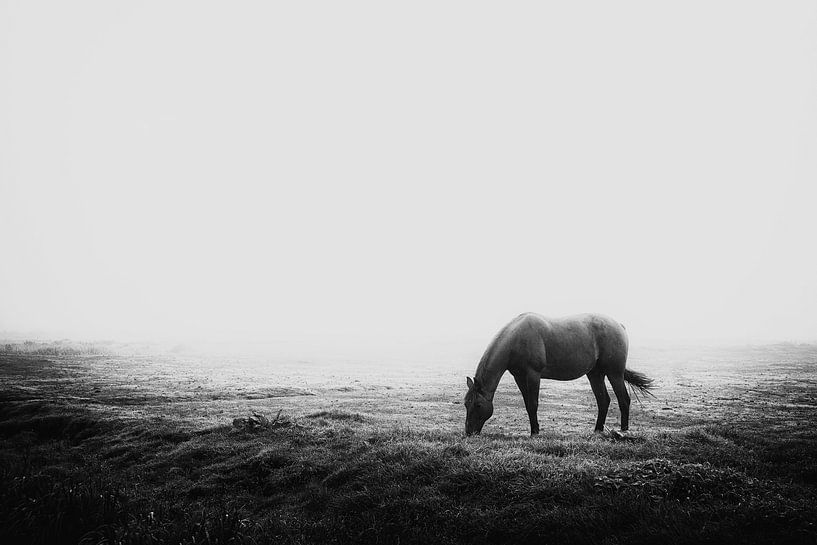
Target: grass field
{"points": [[140, 448]]}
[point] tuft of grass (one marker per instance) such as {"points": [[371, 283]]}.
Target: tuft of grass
{"points": [[337, 415]]}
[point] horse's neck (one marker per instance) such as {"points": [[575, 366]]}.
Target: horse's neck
{"points": [[489, 372]]}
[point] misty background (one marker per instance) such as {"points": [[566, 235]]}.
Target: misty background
{"points": [[352, 174]]}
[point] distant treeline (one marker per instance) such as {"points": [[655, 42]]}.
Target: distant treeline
{"points": [[58, 348]]}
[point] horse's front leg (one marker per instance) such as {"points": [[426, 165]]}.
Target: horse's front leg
{"points": [[528, 383]]}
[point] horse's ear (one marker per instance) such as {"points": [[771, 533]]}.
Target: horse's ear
{"points": [[469, 382]]}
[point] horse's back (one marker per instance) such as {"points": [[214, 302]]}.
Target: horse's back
{"points": [[567, 348]]}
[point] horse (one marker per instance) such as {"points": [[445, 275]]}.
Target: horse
{"points": [[532, 347]]}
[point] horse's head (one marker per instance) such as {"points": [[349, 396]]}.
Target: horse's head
{"points": [[478, 407]]}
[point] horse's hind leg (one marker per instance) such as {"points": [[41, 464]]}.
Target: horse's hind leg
{"points": [[529, 386], [596, 378], [623, 396]]}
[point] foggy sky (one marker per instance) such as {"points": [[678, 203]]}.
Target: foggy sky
{"points": [[363, 170]]}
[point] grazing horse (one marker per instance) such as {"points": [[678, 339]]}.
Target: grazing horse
{"points": [[533, 347]]}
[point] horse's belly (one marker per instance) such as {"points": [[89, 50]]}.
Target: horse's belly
{"points": [[567, 370], [570, 350]]}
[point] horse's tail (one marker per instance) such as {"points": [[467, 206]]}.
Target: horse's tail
{"points": [[639, 382]]}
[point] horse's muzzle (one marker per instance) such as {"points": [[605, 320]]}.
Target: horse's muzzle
{"points": [[469, 431]]}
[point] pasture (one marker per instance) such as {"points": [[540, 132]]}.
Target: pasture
{"points": [[106, 447]]}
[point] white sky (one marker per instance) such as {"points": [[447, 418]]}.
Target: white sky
{"points": [[276, 170]]}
